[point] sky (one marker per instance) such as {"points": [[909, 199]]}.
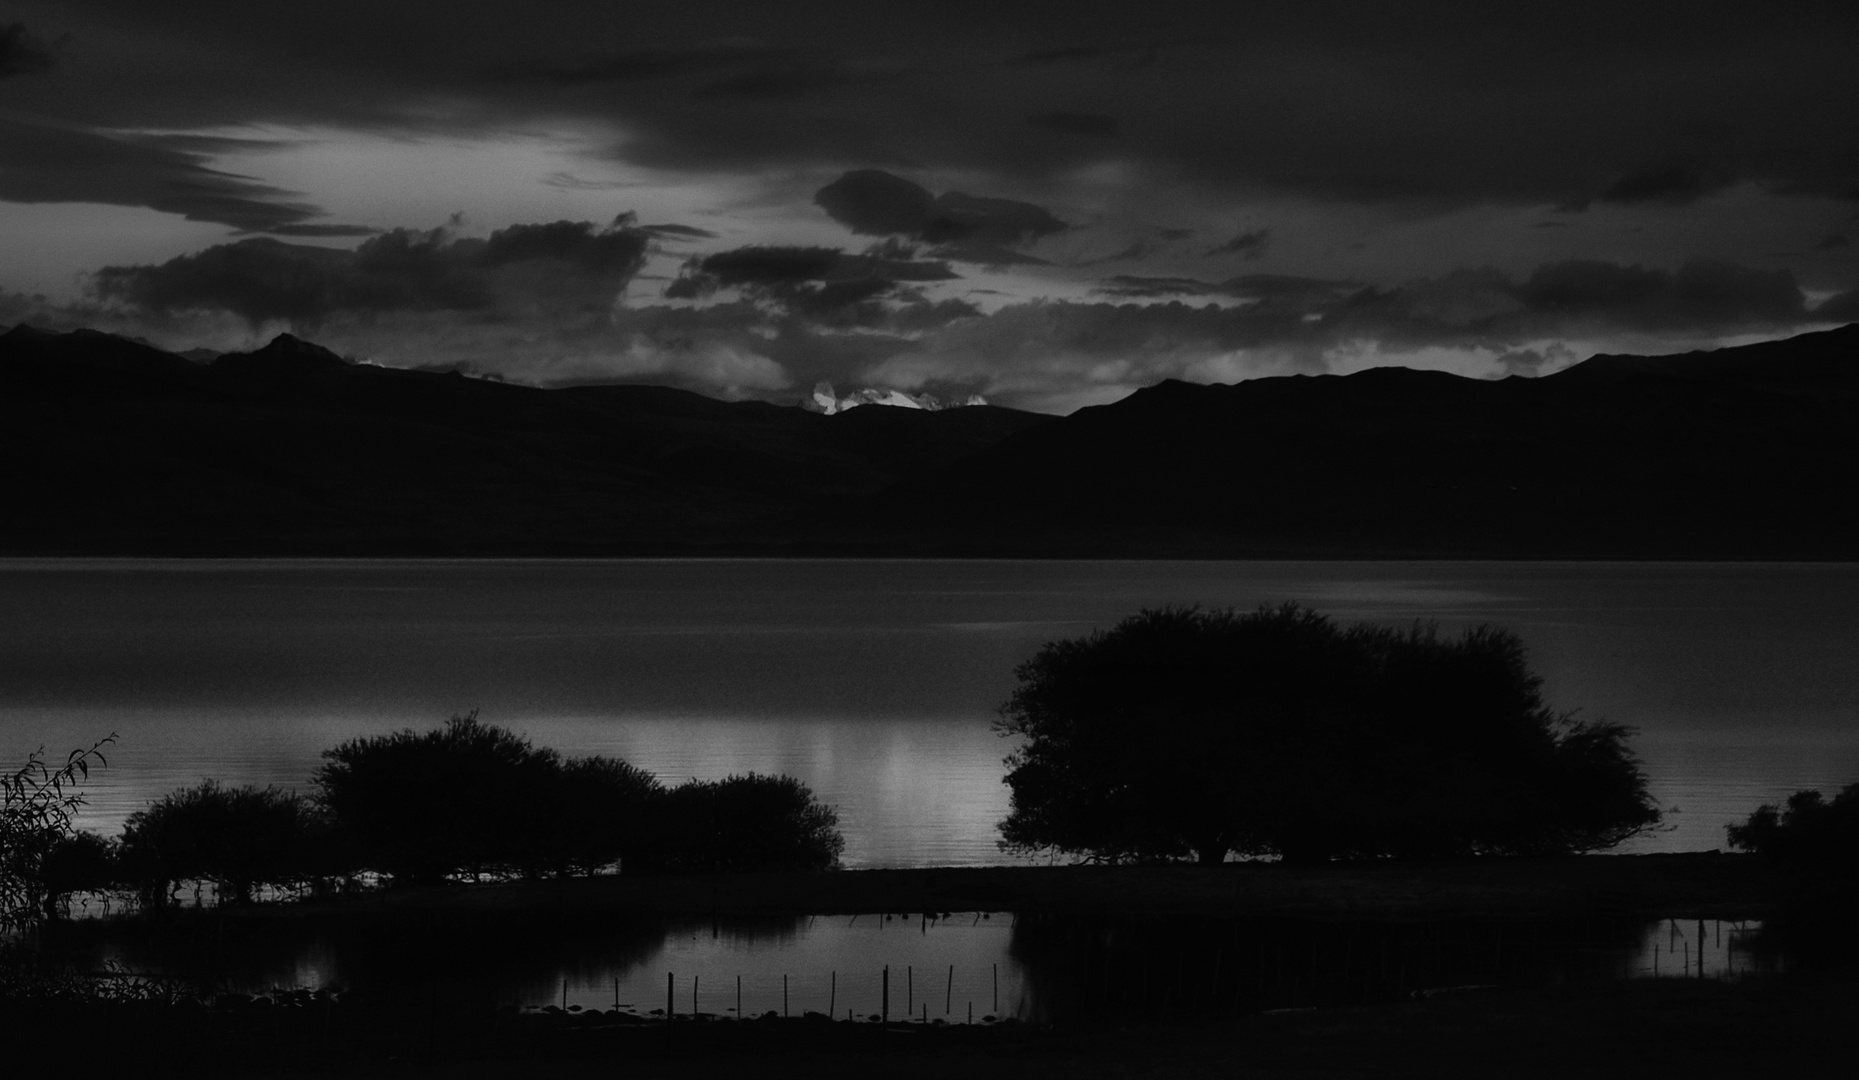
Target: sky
{"points": [[1049, 204]]}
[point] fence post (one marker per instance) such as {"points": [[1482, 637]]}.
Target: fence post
{"points": [[884, 995]]}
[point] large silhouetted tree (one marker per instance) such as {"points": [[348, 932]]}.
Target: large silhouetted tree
{"points": [[752, 822], [467, 798], [236, 837], [1183, 731]]}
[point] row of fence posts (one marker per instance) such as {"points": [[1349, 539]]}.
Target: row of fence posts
{"points": [[832, 1000]]}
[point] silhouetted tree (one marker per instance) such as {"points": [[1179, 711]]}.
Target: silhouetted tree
{"points": [[1192, 732], [238, 838], [751, 822], [1809, 836], [608, 813], [79, 862], [468, 797], [36, 806]]}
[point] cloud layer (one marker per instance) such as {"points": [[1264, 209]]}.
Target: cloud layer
{"points": [[1047, 204]]}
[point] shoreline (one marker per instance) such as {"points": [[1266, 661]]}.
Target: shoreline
{"points": [[1689, 885]]}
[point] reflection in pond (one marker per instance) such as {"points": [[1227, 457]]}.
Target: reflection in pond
{"points": [[927, 966]]}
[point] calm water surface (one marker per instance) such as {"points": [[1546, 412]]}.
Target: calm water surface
{"points": [[945, 967], [872, 681]]}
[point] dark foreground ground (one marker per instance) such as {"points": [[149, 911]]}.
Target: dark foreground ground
{"points": [[1782, 1026]]}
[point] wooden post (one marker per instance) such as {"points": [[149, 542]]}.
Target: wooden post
{"points": [[738, 997], [616, 995], [997, 989], [948, 993], [832, 997], [564, 995], [694, 980], [910, 989], [669, 1004], [784, 995], [884, 995]]}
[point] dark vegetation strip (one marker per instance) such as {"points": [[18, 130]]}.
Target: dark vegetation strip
{"points": [[1700, 885], [1783, 1026]]}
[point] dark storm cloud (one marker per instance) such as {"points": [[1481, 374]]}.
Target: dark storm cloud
{"points": [[323, 230], [1677, 179], [1475, 308], [1137, 250], [558, 268], [1431, 103], [1096, 125], [776, 84], [1136, 286], [45, 164], [635, 65], [872, 202], [813, 282], [1700, 293], [1833, 242], [988, 256], [1444, 103], [21, 52], [767, 265], [1251, 245], [1080, 54], [1276, 288]]}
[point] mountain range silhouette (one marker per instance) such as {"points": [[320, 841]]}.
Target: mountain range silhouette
{"points": [[114, 447]]}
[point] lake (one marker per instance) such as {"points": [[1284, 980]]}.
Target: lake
{"points": [[872, 681]]}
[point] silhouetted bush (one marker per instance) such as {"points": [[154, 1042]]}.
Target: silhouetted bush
{"points": [[79, 862], [237, 838], [36, 804], [468, 797], [1809, 836], [608, 812], [751, 822], [1183, 731]]}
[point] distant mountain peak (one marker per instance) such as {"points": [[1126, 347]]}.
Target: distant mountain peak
{"points": [[284, 353], [825, 400]]}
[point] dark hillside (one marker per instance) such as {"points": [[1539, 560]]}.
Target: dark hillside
{"points": [[119, 448], [114, 447], [1739, 453]]}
